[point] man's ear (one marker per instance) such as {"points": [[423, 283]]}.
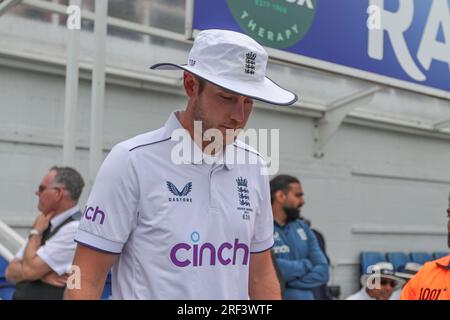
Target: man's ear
{"points": [[191, 84], [61, 193], [280, 196]]}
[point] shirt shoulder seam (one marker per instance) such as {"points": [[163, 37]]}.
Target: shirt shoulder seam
{"points": [[149, 144]]}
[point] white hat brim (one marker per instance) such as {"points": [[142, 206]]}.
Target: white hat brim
{"points": [[266, 91], [400, 281], [404, 275]]}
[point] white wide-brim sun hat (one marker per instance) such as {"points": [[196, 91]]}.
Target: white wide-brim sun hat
{"points": [[382, 270], [235, 62]]}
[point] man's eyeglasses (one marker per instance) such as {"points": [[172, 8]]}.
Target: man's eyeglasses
{"points": [[384, 282], [42, 188]]}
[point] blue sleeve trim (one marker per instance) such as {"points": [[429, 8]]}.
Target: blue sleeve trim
{"points": [[95, 248], [263, 250]]}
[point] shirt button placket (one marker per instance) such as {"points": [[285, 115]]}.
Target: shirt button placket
{"points": [[213, 196]]}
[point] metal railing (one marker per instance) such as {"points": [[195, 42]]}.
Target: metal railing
{"points": [[11, 236]]}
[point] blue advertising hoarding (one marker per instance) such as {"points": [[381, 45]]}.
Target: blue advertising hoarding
{"points": [[408, 40]]}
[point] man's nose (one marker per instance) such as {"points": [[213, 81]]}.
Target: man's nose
{"points": [[302, 202], [237, 113]]}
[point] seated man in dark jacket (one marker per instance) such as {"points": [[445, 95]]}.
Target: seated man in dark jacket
{"points": [[302, 263]]}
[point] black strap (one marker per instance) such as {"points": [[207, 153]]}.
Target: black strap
{"points": [[47, 234]]}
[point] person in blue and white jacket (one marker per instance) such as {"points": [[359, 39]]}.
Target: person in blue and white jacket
{"points": [[302, 263]]}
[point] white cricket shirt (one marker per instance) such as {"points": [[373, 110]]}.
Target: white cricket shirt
{"points": [[183, 231]]}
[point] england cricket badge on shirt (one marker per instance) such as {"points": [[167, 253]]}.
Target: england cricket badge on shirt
{"points": [[243, 198], [302, 234]]}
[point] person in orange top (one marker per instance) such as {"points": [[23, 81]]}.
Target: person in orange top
{"points": [[432, 282]]}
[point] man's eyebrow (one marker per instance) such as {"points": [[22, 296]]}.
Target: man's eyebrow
{"points": [[234, 94], [223, 90]]}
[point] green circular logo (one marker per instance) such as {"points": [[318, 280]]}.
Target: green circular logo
{"points": [[274, 23]]}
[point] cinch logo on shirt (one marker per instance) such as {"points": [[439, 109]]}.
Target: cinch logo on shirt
{"points": [[96, 213], [180, 194], [194, 254]]}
